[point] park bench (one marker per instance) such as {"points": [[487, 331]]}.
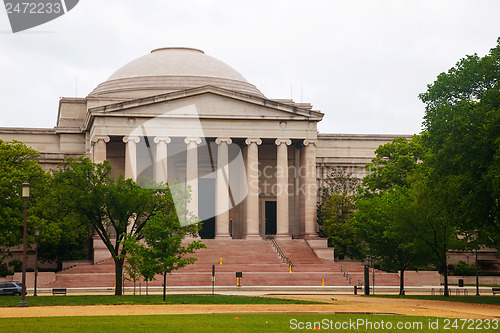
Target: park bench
{"points": [[59, 291], [495, 291]]}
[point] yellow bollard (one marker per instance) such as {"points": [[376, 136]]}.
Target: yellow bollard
{"points": [[220, 262], [323, 283], [290, 270], [237, 282]]}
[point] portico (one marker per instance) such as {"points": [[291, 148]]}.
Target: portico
{"points": [[247, 171]]}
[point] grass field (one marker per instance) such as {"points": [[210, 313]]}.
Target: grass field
{"points": [[240, 323], [9, 301], [494, 300]]}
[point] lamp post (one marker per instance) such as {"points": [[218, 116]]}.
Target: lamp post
{"points": [[37, 234], [25, 195], [475, 255]]}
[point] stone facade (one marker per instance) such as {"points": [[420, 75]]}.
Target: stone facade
{"points": [[253, 163]]}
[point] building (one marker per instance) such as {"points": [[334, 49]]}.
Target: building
{"points": [[253, 163]]}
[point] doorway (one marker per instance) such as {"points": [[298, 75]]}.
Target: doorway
{"points": [[270, 216], [206, 207]]}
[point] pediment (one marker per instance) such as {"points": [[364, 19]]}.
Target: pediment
{"points": [[208, 102]]}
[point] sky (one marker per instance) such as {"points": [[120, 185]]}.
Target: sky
{"points": [[360, 62]]}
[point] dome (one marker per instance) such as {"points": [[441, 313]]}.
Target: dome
{"points": [[171, 69]]}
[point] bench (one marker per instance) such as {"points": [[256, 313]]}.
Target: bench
{"points": [[59, 291], [495, 291]]}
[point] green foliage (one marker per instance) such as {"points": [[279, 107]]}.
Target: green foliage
{"points": [[336, 209], [113, 208], [461, 268], [462, 121], [17, 164], [393, 163], [162, 250], [16, 265]]}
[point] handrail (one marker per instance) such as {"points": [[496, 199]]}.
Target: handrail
{"points": [[282, 255], [346, 274]]}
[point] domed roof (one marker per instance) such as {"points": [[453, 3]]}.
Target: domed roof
{"points": [[171, 69]]}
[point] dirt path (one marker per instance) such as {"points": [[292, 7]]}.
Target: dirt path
{"points": [[342, 304]]}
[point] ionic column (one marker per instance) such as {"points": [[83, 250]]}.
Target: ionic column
{"points": [[252, 167], [161, 163], [282, 210], [192, 172], [99, 148], [222, 189], [131, 156], [310, 188]]}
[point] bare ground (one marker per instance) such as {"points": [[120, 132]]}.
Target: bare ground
{"points": [[341, 304]]}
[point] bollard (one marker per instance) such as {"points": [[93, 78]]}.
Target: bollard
{"points": [[290, 270], [220, 262], [238, 282], [323, 283]]}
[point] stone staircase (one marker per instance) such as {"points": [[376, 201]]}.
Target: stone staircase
{"points": [[256, 259]]}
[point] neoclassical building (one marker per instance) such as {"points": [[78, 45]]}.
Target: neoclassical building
{"points": [[177, 114]]}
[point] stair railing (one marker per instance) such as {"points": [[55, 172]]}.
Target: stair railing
{"points": [[346, 274], [278, 250]]}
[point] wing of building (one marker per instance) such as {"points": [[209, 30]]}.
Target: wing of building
{"points": [[253, 163]]}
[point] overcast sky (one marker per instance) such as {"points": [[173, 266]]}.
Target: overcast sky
{"points": [[361, 62]]}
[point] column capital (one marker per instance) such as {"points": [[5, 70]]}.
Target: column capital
{"points": [[283, 141], [131, 138], [97, 138], [189, 140], [223, 140], [310, 142], [253, 140], [165, 139]]}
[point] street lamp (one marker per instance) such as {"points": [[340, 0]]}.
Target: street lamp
{"points": [[475, 255], [25, 195], [37, 234]]}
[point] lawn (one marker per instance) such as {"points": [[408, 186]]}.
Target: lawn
{"points": [[240, 323], [8, 301], [495, 300]]}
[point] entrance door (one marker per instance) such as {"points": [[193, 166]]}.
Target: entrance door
{"points": [[206, 207], [270, 217]]}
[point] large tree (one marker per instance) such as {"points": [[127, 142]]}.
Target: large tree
{"points": [[385, 223], [114, 208], [462, 121], [336, 208], [162, 250], [397, 214], [18, 163]]}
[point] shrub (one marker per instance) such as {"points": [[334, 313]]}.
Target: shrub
{"points": [[461, 268], [16, 264]]}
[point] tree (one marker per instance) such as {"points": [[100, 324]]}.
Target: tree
{"points": [[336, 209], [385, 223], [462, 121], [17, 164], [114, 208], [162, 251]]}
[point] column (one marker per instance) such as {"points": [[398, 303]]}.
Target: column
{"points": [[253, 188], [99, 148], [131, 156], [222, 189], [282, 211], [310, 188], [161, 164], [192, 172]]}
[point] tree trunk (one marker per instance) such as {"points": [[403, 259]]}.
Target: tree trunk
{"points": [[445, 273], [118, 277], [402, 282], [164, 285]]}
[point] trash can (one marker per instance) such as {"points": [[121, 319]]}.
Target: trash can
{"points": [[460, 282]]}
